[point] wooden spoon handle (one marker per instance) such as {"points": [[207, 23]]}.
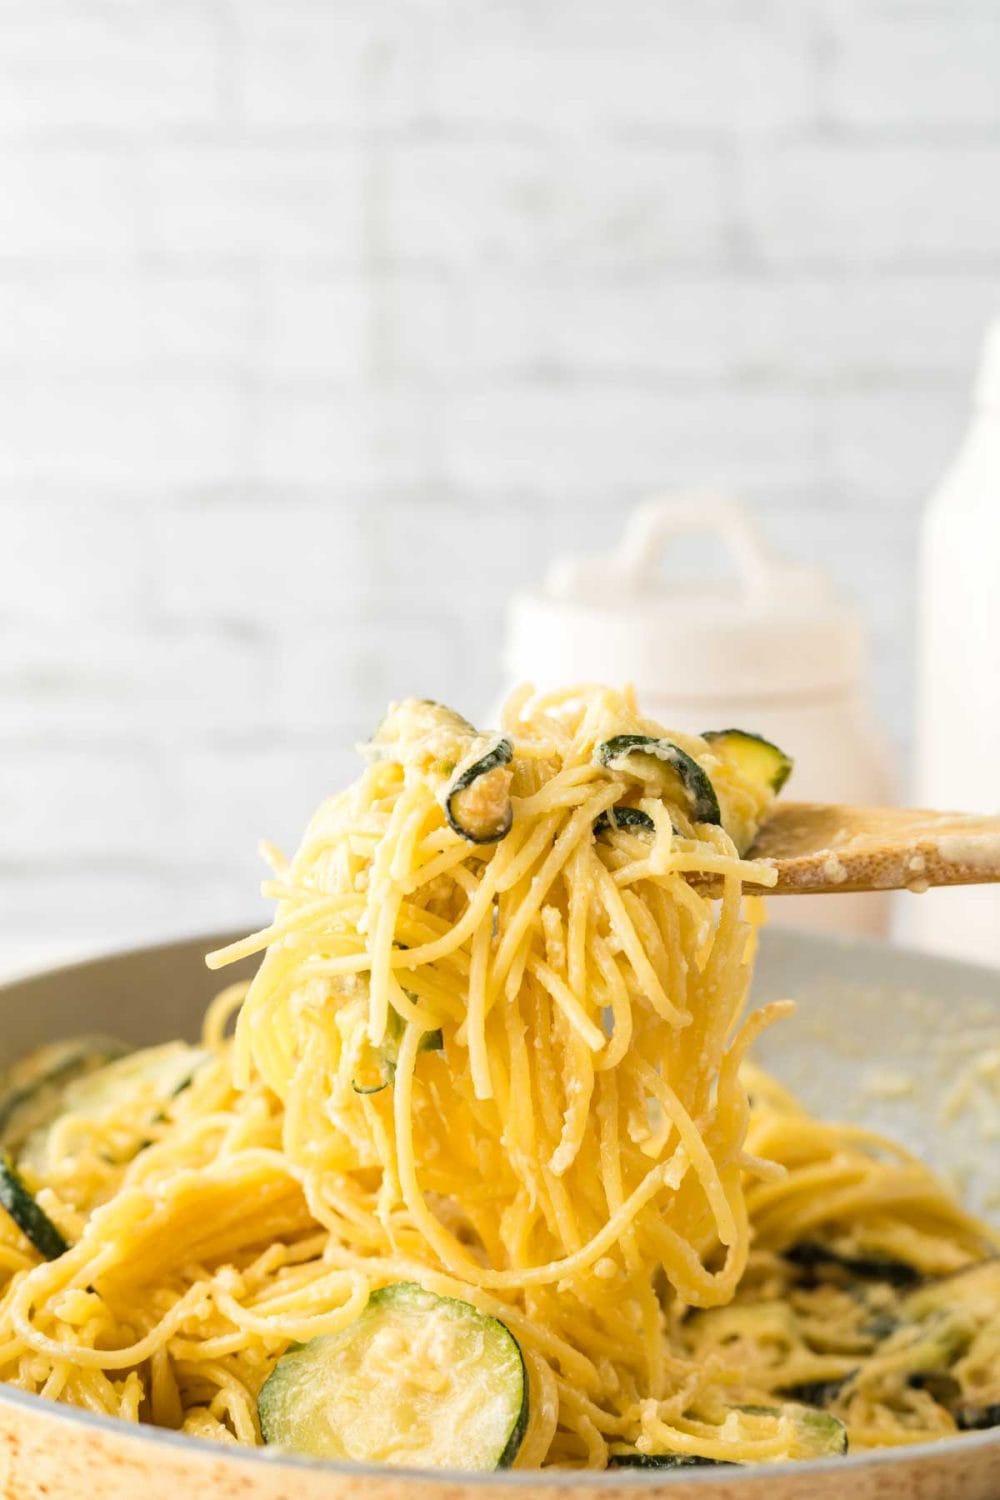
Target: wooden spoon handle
{"points": [[827, 849]]}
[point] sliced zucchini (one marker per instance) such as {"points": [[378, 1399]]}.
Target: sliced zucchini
{"points": [[950, 1347], [152, 1076], [377, 1065], [424, 733], [33, 1222], [945, 1389], [431, 1041], [815, 1392], [813, 1434], [33, 1087], [772, 1323], [817, 1433], [374, 1071], [819, 1260], [808, 1433], [477, 801], [631, 818], [976, 1418], [668, 1461], [467, 769], [756, 759], [930, 1348], [416, 1380], [665, 766]]}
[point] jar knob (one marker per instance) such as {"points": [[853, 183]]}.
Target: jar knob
{"points": [[651, 529]]}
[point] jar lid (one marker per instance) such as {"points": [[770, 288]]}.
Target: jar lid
{"points": [[780, 629]]}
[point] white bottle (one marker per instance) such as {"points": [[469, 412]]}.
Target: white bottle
{"points": [[776, 652], [958, 726]]}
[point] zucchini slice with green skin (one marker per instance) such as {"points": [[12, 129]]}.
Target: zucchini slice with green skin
{"points": [[817, 1260], [154, 1075], [811, 1434], [422, 732], [669, 1461], [818, 1434], [756, 759], [977, 1418], [33, 1222], [630, 819], [950, 1345], [815, 1392], [926, 1351], [814, 1434], [477, 802], [417, 1380], [661, 763], [377, 1065], [466, 768], [943, 1387], [34, 1086]]}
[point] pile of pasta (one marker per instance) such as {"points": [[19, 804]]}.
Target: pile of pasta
{"points": [[496, 1046]]}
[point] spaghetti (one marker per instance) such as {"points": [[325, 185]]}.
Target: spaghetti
{"points": [[495, 1047]]}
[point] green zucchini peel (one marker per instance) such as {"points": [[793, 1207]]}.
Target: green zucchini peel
{"points": [[22, 1206], [661, 761], [628, 819], [477, 801]]}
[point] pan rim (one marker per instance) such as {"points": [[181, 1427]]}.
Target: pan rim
{"points": [[514, 1479]]}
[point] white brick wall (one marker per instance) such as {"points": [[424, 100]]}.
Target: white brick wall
{"points": [[302, 305]]}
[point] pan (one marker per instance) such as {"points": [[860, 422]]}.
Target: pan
{"points": [[881, 1035]]}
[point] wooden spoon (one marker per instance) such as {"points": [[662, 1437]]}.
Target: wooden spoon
{"points": [[823, 849]]}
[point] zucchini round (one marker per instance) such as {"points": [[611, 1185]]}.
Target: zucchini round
{"points": [[954, 1328], [661, 763], [976, 1418], [477, 802], [756, 759], [818, 1434], [377, 1065], [420, 728], [811, 1433], [466, 769], [815, 1392], [416, 1380], [33, 1222], [630, 819], [32, 1089], [818, 1260], [153, 1075]]}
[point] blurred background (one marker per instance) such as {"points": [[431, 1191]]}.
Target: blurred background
{"points": [[324, 327]]}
